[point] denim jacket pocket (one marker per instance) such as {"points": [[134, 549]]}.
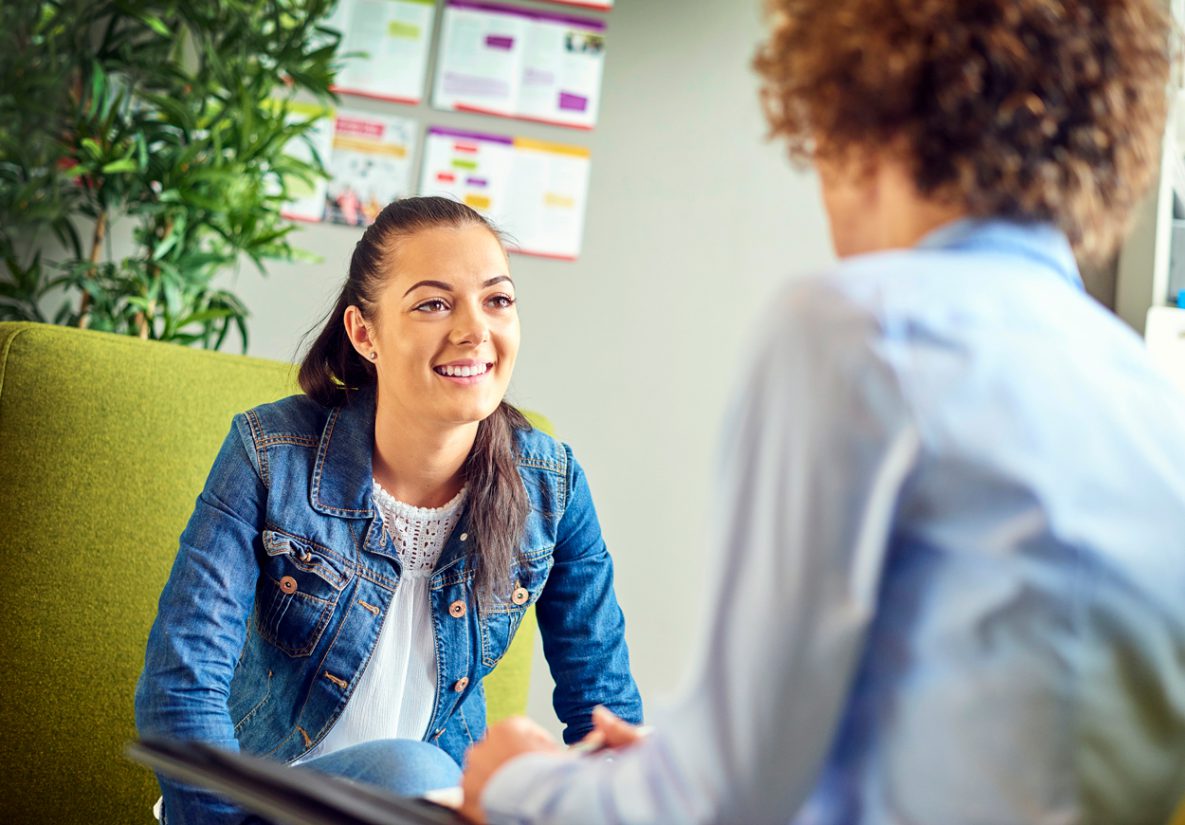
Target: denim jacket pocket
{"points": [[298, 591], [500, 620]]}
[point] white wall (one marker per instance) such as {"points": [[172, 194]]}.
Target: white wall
{"points": [[693, 221]]}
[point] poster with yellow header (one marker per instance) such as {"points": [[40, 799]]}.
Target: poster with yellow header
{"points": [[534, 191]]}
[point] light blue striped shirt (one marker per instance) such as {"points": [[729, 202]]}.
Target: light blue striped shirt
{"points": [[949, 583]]}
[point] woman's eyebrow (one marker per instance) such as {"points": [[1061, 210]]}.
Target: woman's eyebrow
{"points": [[448, 287], [436, 284]]}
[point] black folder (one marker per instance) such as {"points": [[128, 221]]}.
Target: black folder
{"points": [[285, 794]]}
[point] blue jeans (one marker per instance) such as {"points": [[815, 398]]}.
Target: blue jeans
{"points": [[406, 767]]}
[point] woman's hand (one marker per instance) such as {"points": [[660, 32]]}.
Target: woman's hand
{"points": [[509, 738]]}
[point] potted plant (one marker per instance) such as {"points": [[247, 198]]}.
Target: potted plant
{"points": [[170, 115]]}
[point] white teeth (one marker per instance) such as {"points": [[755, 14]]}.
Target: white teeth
{"points": [[463, 372]]}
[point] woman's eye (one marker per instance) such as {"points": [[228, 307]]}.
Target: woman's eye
{"points": [[435, 305], [501, 301]]}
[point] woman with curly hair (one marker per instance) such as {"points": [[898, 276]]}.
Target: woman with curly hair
{"points": [[950, 574]]}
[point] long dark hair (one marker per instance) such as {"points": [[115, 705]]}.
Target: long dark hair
{"points": [[332, 372]]}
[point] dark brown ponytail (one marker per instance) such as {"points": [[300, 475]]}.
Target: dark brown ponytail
{"points": [[332, 371], [497, 500]]}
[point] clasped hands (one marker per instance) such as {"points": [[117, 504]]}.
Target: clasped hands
{"points": [[518, 735]]}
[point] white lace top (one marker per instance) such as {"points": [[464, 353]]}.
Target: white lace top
{"points": [[396, 693]]}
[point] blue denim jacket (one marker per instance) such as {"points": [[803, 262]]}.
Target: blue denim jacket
{"points": [[235, 660]]}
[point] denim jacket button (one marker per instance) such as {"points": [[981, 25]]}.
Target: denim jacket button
{"points": [[461, 684], [288, 584], [457, 609], [464, 537], [520, 595]]}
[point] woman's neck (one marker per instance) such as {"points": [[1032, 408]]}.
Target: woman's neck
{"points": [[416, 463]]}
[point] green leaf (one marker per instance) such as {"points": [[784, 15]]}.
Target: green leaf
{"points": [[175, 112], [167, 243], [155, 23], [241, 325], [117, 166], [204, 316], [67, 235], [98, 88], [174, 300], [142, 150]]}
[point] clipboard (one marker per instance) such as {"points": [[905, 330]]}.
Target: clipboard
{"points": [[282, 793]]}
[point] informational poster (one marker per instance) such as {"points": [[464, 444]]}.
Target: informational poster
{"points": [[394, 38], [370, 166], [534, 191], [588, 4], [308, 199], [522, 63]]}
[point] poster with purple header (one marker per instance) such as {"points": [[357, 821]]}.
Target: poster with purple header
{"points": [[603, 5], [521, 63]]}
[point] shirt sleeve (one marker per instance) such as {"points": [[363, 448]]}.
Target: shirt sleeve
{"points": [[819, 447]]}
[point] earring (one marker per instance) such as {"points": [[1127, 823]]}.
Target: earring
{"points": [[373, 355]]}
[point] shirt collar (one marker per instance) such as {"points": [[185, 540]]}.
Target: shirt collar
{"points": [[1041, 243]]}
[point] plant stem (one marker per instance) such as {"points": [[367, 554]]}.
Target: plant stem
{"points": [[96, 245], [154, 271]]}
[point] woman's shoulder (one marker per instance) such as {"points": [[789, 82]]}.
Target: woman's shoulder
{"points": [[296, 416], [538, 450]]}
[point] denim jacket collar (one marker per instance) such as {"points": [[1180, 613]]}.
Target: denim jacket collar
{"points": [[343, 476], [343, 472]]}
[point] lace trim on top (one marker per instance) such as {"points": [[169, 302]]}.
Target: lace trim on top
{"points": [[419, 533]]}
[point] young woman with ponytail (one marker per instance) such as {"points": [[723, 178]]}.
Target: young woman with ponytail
{"points": [[362, 554]]}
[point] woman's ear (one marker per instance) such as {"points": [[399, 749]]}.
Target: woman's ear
{"points": [[359, 332]]}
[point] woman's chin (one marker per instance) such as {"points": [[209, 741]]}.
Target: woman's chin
{"points": [[470, 413]]}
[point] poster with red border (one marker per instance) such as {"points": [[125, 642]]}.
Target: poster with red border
{"points": [[389, 42], [369, 166], [523, 63], [534, 191], [602, 5]]}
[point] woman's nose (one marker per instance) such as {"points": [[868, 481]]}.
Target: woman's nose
{"points": [[470, 328]]}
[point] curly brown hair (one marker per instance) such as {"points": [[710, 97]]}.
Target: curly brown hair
{"points": [[1031, 110]]}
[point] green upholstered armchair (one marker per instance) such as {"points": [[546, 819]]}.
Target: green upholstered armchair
{"points": [[105, 442]]}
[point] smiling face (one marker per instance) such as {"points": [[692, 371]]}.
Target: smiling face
{"points": [[444, 329]]}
